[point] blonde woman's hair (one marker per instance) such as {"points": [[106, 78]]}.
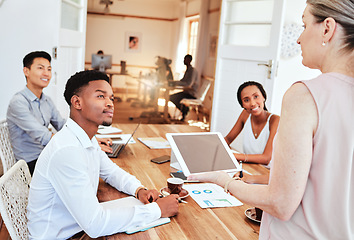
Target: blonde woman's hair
{"points": [[342, 11]]}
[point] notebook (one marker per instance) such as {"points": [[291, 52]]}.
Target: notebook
{"points": [[155, 142], [129, 202], [118, 147]]}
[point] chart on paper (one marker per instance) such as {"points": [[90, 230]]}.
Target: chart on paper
{"points": [[209, 195]]}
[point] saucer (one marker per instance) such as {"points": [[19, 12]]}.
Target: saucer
{"points": [[251, 214], [166, 191]]}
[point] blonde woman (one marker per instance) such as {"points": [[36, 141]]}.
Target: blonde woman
{"points": [[311, 190]]}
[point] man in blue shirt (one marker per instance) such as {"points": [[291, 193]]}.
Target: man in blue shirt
{"points": [[30, 111]]}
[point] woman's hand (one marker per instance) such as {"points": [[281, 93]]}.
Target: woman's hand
{"points": [[219, 178], [253, 179]]}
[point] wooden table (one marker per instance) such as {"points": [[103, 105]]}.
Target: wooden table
{"points": [[192, 222]]}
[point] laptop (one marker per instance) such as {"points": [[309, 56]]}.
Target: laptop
{"points": [[118, 147], [201, 152]]}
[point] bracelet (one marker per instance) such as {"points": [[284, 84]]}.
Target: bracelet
{"points": [[245, 157], [138, 189], [228, 182]]}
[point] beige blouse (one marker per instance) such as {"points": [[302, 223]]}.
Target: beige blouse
{"points": [[326, 210]]}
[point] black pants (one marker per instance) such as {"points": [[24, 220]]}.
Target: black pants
{"points": [[177, 97], [31, 166]]}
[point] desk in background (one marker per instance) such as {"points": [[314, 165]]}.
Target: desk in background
{"points": [[157, 88], [110, 73], [192, 222]]}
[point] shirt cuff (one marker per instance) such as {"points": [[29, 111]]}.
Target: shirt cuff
{"points": [[138, 189], [154, 209], [46, 138]]}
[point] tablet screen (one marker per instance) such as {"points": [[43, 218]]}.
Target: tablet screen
{"points": [[202, 152]]}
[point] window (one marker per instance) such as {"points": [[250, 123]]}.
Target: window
{"points": [[193, 36], [71, 11]]}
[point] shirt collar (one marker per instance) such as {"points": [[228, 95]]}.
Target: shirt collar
{"points": [[32, 97], [81, 135]]}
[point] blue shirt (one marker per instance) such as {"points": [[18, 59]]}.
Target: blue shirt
{"points": [[28, 118]]}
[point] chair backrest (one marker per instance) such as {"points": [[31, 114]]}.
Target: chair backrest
{"points": [[203, 89], [14, 189], [6, 153]]}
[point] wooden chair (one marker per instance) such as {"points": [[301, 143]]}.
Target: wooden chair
{"points": [[198, 103], [14, 189], [6, 153]]}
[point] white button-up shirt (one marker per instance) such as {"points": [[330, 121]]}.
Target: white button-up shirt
{"points": [[62, 198]]}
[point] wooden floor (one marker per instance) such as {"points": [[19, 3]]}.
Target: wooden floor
{"points": [[132, 111], [127, 112]]}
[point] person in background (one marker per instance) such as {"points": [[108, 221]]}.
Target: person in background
{"points": [[100, 52], [169, 74], [310, 193], [259, 128], [63, 194], [190, 83], [30, 111]]}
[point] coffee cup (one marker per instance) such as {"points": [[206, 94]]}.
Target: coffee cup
{"points": [[259, 213], [174, 185]]}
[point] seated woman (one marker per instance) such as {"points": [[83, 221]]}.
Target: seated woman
{"points": [[259, 127]]}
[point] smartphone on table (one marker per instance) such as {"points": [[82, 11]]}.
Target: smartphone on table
{"points": [[178, 174], [162, 159]]}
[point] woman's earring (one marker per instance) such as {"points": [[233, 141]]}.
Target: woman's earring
{"points": [[323, 44]]}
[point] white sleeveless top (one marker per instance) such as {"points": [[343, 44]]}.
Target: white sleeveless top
{"points": [[251, 144]]}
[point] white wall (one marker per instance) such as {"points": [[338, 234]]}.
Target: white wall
{"points": [[214, 18], [193, 7], [18, 21], [147, 8], [109, 32], [158, 36]]}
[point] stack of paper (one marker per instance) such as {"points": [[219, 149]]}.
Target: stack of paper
{"points": [[108, 130], [155, 142], [117, 138]]}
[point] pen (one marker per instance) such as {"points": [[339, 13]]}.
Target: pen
{"points": [[241, 172], [181, 201]]}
